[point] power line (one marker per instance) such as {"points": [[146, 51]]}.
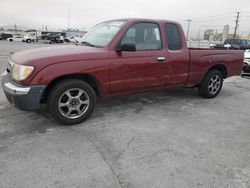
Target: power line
{"points": [[219, 19], [245, 12], [209, 18], [214, 16], [215, 19]]}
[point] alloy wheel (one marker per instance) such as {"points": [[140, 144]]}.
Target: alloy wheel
{"points": [[73, 103]]}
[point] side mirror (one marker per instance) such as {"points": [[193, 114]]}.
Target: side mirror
{"points": [[129, 47]]}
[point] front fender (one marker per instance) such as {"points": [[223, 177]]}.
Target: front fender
{"points": [[98, 70]]}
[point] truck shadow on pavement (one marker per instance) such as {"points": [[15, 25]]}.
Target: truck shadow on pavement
{"points": [[117, 106], [14, 121], [112, 110], [163, 96]]}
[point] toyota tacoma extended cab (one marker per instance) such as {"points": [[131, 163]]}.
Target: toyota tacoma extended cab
{"points": [[117, 57]]}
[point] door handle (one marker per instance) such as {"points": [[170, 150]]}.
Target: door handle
{"points": [[161, 59]]}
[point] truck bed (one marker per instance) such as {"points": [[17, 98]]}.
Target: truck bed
{"points": [[202, 59]]}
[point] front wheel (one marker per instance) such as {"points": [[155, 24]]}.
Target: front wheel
{"points": [[212, 83], [71, 102]]}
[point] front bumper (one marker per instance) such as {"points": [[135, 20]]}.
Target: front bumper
{"points": [[25, 98]]}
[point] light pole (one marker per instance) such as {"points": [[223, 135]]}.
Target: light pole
{"points": [[199, 37], [69, 19]]}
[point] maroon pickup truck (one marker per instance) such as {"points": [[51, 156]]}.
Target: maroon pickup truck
{"points": [[116, 57]]}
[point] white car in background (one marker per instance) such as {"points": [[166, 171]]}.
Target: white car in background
{"points": [[246, 66], [73, 39], [79, 39], [15, 39]]}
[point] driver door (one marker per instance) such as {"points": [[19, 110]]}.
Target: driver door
{"points": [[143, 69]]}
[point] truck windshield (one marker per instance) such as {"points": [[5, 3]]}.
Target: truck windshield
{"points": [[102, 34]]}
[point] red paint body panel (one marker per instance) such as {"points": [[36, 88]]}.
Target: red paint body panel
{"points": [[203, 59], [121, 73]]}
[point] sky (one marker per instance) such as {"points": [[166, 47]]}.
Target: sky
{"points": [[87, 13]]}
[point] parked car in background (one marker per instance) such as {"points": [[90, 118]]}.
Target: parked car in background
{"points": [[50, 36], [117, 57], [73, 39], [6, 35], [246, 66], [79, 39], [54, 38], [236, 44], [70, 39], [15, 39]]}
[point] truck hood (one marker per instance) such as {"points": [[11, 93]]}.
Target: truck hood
{"points": [[56, 54]]}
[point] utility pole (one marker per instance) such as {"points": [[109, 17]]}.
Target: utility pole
{"points": [[236, 23], [188, 27]]}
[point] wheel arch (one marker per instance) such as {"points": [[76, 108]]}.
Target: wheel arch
{"points": [[221, 68], [91, 80]]}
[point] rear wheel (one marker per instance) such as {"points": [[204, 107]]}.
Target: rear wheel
{"points": [[71, 102], [28, 40], [212, 83]]}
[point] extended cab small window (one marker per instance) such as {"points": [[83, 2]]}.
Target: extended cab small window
{"points": [[145, 36], [173, 37]]}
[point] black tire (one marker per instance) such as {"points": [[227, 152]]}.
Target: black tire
{"points": [[28, 41], [58, 91], [11, 40], [210, 88]]}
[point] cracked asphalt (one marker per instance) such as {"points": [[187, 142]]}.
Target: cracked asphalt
{"points": [[157, 139]]}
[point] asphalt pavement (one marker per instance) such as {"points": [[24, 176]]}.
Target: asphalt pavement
{"points": [[156, 139]]}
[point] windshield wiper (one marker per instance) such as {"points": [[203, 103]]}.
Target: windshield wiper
{"points": [[88, 44]]}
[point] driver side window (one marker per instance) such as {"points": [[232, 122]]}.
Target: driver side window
{"points": [[145, 36]]}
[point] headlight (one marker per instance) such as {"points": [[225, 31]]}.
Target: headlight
{"points": [[21, 72]]}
